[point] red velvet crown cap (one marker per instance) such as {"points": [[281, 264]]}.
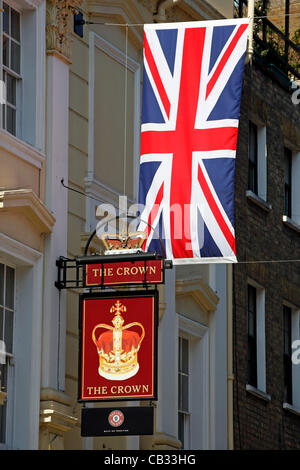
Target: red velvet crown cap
{"points": [[130, 339]]}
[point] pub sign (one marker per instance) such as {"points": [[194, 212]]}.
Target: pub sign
{"points": [[118, 346], [124, 272]]}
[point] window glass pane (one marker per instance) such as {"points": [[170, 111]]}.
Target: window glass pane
{"points": [[1, 324], [11, 89], [8, 331], [181, 428], [15, 57], [11, 120], [6, 18], [10, 287], [287, 328], [1, 283], [179, 391], [252, 170], [185, 356], [15, 24], [251, 298], [251, 323], [185, 393], [287, 202], [3, 380], [252, 142], [288, 162], [252, 354], [5, 50], [3, 117]]}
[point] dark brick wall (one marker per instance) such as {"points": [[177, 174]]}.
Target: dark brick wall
{"points": [[262, 236]]}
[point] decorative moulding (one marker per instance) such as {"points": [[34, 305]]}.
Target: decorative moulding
{"points": [[20, 253], [100, 191], [200, 291], [123, 12], [30, 4], [165, 441], [59, 25], [27, 202], [197, 8], [95, 246], [21, 149], [55, 414]]}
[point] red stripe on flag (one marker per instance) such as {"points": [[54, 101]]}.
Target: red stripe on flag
{"points": [[200, 139], [215, 209], [156, 77], [225, 58]]}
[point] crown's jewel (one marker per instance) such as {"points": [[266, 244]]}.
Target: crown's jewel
{"points": [[118, 347]]}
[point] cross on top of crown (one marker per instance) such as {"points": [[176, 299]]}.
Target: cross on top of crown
{"points": [[118, 308]]}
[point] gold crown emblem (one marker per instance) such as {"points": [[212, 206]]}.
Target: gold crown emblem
{"points": [[118, 347], [123, 241]]}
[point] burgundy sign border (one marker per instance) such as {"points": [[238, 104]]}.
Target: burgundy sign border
{"points": [[113, 295]]}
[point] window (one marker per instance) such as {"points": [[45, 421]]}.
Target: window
{"points": [[287, 354], [288, 182], [183, 392], [193, 391], [11, 60], [252, 175], [256, 337], [22, 65], [7, 305], [291, 205], [252, 356], [257, 160]]}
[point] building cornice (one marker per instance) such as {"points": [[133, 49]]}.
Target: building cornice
{"points": [[123, 12], [21, 149], [56, 418], [25, 201], [30, 4], [200, 9], [200, 291]]}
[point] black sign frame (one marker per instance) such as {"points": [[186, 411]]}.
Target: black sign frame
{"points": [[135, 421]]}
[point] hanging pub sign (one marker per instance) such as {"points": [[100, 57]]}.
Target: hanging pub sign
{"points": [[124, 272], [118, 346]]}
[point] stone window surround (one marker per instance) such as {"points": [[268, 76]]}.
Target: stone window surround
{"points": [[295, 406], [31, 129], [293, 222], [260, 340]]}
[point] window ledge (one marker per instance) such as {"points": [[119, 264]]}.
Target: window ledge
{"points": [[21, 149], [258, 201], [26, 202], [258, 393], [291, 409], [290, 223]]}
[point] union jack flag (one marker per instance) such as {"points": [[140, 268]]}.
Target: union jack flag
{"points": [[192, 87]]}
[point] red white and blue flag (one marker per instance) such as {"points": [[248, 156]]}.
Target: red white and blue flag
{"points": [[192, 86]]}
